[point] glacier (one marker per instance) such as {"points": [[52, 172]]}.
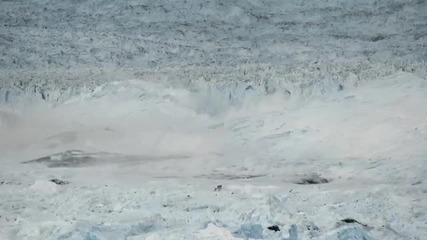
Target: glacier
{"points": [[213, 120]]}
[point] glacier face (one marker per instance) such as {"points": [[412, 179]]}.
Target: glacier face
{"points": [[145, 161]]}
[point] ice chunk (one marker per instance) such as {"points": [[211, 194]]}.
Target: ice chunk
{"points": [[44, 186], [293, 232], [250, 231], [109, 231], [214, 232], [353, 233]]}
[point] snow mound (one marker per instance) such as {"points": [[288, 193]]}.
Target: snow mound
{"points": [[44, 187]]}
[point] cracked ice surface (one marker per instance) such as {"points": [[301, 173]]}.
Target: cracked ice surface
{"points": [[213, 120]]}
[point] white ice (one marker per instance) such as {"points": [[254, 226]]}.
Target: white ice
{"points": [[207, 120], [158, 159]]}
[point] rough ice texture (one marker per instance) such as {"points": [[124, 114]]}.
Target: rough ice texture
{"points": [[50, 46], [42, 33], [255, 96]]}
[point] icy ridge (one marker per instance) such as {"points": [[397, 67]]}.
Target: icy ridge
{"points": [[226, 84], [53, 49]]}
